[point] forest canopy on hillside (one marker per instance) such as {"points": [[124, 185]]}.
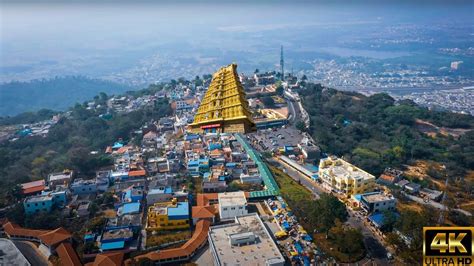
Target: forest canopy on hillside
{"points": [[375, 132]]}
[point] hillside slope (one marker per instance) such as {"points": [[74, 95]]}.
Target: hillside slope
{"points": [[376, 132], [56, 94]]}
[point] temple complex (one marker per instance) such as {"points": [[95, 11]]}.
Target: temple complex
{"points": [[224, 107]]}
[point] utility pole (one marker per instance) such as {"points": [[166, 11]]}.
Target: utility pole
{"points": [[282, 64], [442, 214]]}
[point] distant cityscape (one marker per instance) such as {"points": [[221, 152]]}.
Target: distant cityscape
{"points": [[456, 100]]}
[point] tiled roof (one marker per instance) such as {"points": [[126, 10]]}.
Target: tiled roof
{"points": [[388, 178], [48, 237], [108, 259], [123, 149], [32, 184], [204, 211], [55, 236], [204, 198], [199, 237], [33, 187], [68, 255], [137, 173], [14, 229]]}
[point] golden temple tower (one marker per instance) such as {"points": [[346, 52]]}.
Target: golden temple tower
{"points": [[224, 107]]}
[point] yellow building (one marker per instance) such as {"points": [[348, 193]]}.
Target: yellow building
{"points": [[224, 107], [168, 216], [344, 178]]}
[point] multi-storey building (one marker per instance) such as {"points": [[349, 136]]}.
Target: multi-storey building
{"points": [[60, 178], [168, 216], [45, 202], [164, 194], [244, 242], [344, 178], [378, 202], [232, 204], [82, 186]]}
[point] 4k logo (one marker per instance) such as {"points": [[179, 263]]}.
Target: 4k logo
{"points": [[448, 245]]}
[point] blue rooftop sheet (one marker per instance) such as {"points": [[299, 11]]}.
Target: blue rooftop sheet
{"points": [[112, 245], [193, 162], [358, 197], [117, 145], [230, 164], [168, 190], [213, 146], [204, 161], [298, 247], [378, 218], [131, 207], [181, 210], [89, 237], [191, 137], [311, 167], [128, 194]]}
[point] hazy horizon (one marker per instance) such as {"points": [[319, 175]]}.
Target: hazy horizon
{"points": [[119, 41]]}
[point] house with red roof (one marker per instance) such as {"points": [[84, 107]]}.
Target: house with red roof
{"points": [[204, 213], [33, 188], [107, 259]]}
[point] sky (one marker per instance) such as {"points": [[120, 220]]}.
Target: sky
{"points": [[41, 38]]}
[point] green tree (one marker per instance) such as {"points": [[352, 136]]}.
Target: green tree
{"points": [[44, 220], [268, 101], [198, 81], [39, 167], [96, 224], [279, 90], [15, 194], [300, 126], [325, 211], [341, 236], [411, 225], [16, 214], [389, 220]]}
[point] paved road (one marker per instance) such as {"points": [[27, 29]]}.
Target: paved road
{"points": [[291, 109], [434, 204], [375, 249], [303, 180], [31, 253], [294, 110]]}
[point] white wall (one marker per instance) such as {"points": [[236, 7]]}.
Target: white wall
{"points": [[229, 212]]}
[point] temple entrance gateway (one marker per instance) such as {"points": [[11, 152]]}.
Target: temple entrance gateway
{"points": [[224, 107]]}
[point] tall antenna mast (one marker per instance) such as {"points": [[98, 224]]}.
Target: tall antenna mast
{"points": [[282, 64]]}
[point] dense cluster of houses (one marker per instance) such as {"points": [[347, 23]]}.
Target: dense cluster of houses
{"points": [[219, 160]]}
